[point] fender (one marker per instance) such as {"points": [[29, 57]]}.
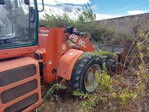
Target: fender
{"points": [[67, 62]]}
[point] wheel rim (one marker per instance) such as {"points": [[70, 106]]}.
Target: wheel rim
{"points": [[90, 81]]}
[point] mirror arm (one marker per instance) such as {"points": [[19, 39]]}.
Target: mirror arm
{"points": [[42, 7]]}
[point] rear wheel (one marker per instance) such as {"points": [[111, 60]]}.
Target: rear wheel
{"points": [[84, 73]]}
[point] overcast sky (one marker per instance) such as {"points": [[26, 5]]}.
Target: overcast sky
{"points": [[103, 9]]}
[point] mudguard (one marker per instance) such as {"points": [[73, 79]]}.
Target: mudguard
{"points": [[67, 63]]}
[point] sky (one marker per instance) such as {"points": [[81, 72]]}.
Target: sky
{"points": [[104, 9], [118, 8]]}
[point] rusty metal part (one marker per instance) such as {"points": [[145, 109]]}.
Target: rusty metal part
{"points": [[115, 65]]}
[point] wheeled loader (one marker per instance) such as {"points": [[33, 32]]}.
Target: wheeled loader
{"points": [[30, 54]]}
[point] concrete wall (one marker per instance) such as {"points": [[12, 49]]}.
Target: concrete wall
{"points": [[127, 24]]}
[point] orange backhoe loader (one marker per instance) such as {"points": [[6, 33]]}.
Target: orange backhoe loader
{"points": [[25, 59]]}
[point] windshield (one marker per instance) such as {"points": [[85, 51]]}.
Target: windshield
{"points": [[17, 24]]}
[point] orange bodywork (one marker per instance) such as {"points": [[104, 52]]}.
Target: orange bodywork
{"points": [[16, 63], [83, 42], [67, 63], [52, 45], [54, 48], [57, 58], [16, 52]]}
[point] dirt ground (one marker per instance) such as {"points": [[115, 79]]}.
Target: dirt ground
{"points": [[61, 101]]}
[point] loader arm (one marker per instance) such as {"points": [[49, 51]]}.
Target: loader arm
{"points": [[83, 43]]}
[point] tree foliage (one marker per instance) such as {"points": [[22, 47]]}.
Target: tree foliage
{"points": [[85, 22]]}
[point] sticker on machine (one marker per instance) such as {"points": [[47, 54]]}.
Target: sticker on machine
{"points": [[50, 62]]}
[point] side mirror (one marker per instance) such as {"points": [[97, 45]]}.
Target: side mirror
{"points": [[2, 2], [27, 2]]}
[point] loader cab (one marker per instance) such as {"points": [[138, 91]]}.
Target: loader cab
{"points": [[20, 89], [18, 24]]}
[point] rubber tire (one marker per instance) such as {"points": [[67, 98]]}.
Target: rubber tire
{"points": [[76, 83]]}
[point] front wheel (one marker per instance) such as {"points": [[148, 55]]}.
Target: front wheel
{"points": [[83, 77]]}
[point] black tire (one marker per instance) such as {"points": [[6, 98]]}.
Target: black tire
{"points": [[80, 70]]}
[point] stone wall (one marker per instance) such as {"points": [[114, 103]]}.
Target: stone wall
{"points": [[127, 24]]}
